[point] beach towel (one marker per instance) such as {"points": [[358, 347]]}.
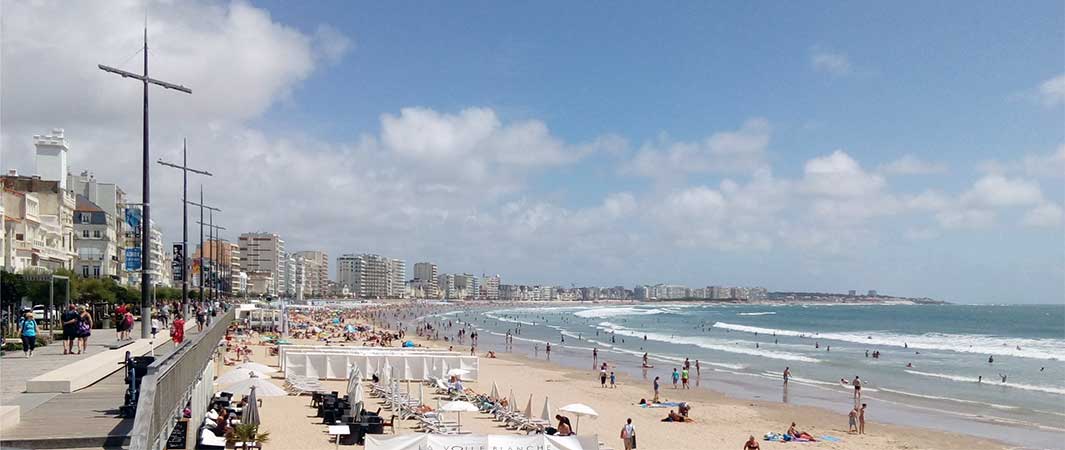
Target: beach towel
{"points": [[661, 405], [830, 439]]}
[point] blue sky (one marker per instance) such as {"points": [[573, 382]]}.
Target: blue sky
{"points": [[913, 148]]}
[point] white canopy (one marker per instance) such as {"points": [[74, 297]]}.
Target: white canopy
{"points": [[459, 407], [495, 391], [236, 375], [263, 388], [457, 372], [579, 409], [256, 367]]}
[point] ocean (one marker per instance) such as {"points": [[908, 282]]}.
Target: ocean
{"points": [[933, 369]]}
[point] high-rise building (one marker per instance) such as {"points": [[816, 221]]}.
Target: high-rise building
{"points": [[263, 252], [491, 287], [346, 271], [227, 266], [397, 278], [425, 277], [446, 283], [372, 276], [316, 265]]}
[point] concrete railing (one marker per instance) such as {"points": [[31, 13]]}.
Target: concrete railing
{"points": [[170, 382]]}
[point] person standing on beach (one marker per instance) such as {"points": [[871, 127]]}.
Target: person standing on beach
{"points": [[84, 329], [698, 370], [684, 378], [676, 377], [628, 435], [861, 419], [852, 420], [656, 385], [787, 374], [602, 377], [595, 357], [613, 380], [857, 383]]}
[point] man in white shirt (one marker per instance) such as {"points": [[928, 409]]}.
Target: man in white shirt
{"points": [[628, 435]]}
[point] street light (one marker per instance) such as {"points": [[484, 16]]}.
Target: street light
{"points": [[146, 326], [185, 169]]}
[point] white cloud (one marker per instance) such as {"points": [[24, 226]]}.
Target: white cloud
{"points": [[839, 175], [912, 165], [1047, 214], [740, 151], [332, 45], [1049, 165], [999, 191], [832, 63], [965, 218], [1052, 91]]}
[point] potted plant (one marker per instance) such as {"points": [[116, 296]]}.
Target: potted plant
{"points": [[248, 432]]}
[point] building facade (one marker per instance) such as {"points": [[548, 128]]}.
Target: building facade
{"points": [[95, 239], [316, 263], [38, 222], [425, 279], [263, 252]]}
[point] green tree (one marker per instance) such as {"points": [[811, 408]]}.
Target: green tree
{"points": [[12, 288], [96, 291]]}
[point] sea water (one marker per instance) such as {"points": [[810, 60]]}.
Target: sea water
{"points": [[933, 368]]}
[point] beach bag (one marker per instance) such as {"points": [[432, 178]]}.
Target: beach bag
{"points": [[634, 440]]}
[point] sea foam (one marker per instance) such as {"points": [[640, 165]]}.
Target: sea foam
{"points": [[1050, 349]]}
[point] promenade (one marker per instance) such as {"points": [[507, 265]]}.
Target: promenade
{"points": [[86, 418]]}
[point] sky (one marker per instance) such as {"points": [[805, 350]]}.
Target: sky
{"points": [[917, 149]]}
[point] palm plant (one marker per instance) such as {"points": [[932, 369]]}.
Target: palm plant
{"points": [[248, 432]]}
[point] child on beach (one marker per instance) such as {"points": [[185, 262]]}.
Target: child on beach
{"points": [[676, 377], [613, 380], [852, 421]]}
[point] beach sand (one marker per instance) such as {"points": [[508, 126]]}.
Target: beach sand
{"points": [[720, 422]]}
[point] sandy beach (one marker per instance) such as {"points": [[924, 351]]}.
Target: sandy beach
{"points": [[719, 421]]}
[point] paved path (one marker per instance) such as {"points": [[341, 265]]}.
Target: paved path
{"points": [[86, 418], [16, 369]]}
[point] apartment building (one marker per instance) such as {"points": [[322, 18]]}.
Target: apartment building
{"points": [[264, 252]]}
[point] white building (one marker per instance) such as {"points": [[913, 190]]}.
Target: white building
{"points": [[110, 198], [51, 152], [491, 287], [94, 241], [316, 263], [38, 222]]}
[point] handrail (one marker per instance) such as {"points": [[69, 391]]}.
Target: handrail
{"points": [[167, 385]]}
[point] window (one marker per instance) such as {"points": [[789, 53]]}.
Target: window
{"points": [[96, 271], [84, 233], [85, 271], [18, 237], [96, 234]]}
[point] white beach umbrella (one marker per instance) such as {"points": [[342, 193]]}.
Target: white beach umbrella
{"points": [[263, 388], [355, 399], [457, 372], [528, 408], [256, 367], [354, 377], [386, 373], [511, 405], [426, 374], [234, 376], [546, 413], [579, 409], [369, 366], [443, 369], [421, 394], [459, 407], [494, 395]]}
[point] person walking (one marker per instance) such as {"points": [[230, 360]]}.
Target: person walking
{"points": [[28, 332], [787, 375], [177, 330], [676, 377], [684, 378], [70, 329], [602, 377], [613, 380], [84, 329], [852, 421], [628, 435]]}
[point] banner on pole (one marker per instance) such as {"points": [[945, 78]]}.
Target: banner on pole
{"points": [[133, 259], [177, 266]]}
